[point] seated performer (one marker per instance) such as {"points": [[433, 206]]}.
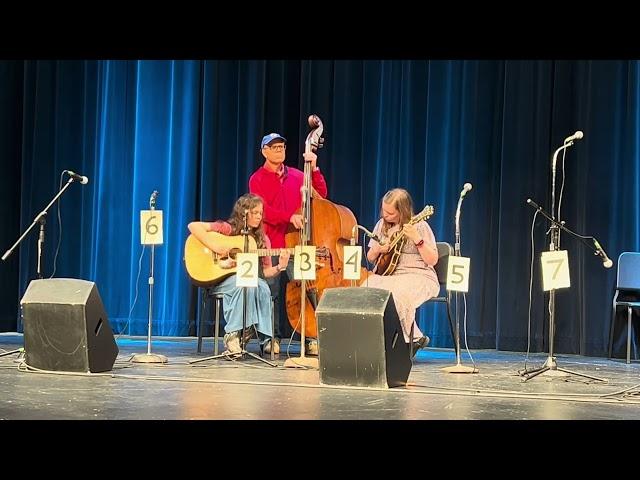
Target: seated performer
{"points": [[414, 280], [258, 299]]}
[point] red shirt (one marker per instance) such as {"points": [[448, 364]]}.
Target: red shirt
{"points": [[281, 195]]}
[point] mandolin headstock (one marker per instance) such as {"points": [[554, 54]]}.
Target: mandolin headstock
{"points": [[426, 212]]}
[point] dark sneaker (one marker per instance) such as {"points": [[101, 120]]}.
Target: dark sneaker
{"points": [[422, 342], [311, 347]]}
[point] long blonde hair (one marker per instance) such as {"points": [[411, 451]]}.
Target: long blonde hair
{"points": [[248, 201], [400, 199]]}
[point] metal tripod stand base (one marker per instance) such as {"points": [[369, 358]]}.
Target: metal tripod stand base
{"points": [[19, 351], [301, 362], [234, 356], [459, 369], [148, 358], [551, 369]]}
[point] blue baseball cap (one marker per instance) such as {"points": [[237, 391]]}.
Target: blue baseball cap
{"points": [[267, 139]]}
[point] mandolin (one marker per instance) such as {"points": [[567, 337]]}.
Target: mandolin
{"points": [[387, 262]]}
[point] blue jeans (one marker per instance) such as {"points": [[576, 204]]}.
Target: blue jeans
{"points": [[258, 306]]}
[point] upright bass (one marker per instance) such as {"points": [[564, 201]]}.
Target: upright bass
{"points": [[328, 226]]}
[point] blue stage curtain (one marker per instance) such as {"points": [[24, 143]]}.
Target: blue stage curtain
{"points": [[191, 130]]}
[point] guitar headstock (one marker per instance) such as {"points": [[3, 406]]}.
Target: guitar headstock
{"points": [[426, 212]]}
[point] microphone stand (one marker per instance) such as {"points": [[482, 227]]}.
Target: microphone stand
{"points": [[150, 357], [243, 352], [40, 218], [458, 367], [550, 366]]}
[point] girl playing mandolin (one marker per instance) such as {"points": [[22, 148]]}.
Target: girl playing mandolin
{"points": [[414, 280], [258, 299]]}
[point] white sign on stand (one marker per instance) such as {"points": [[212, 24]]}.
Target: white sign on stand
{"points": [[555, 270], [151, 227], [304, 262], [247, 272], [352, 262], [458, 274]]}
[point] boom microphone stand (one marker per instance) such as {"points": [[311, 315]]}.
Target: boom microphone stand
{"points": [[41, 219], [550, 367]]}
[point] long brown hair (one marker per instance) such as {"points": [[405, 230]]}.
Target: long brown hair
{"points": [[400, 199], [247, 202]]}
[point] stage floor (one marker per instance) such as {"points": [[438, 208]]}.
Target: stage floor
{"points": [[249, 389]]}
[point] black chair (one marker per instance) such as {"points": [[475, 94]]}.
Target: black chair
{"points": [[627, 284], [444, 251], [209, 294]]}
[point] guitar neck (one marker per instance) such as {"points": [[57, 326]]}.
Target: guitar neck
{"points": [[271, 252]]}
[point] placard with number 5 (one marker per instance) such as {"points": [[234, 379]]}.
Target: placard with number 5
{"points": [[458, 274]]}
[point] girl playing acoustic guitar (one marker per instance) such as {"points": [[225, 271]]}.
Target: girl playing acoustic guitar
{"points": [[258, 299], [413, 281]]}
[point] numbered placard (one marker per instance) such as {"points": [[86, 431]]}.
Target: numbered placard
{"points": [[304, 263], [352, 262], [151, 227], [458, 274], [247, 270], [555, 270]]}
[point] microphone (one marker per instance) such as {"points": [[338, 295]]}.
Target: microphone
{"points": [[377, 239], [80, 178], [367, 233], [467, 188], [534, 204], [576, 136], [152, 199], [606, 261]]}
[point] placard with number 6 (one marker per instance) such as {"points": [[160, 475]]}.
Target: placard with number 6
{"points": [[151, 227], [555, 270], [247, 270], [304, 263], [458, 274]]}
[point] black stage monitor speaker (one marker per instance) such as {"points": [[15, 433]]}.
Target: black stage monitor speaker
{"points": [[360, 339], [66, 327]]}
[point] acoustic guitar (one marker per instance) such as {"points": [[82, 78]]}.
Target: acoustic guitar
{"points": [[207, 268], [387, 262]]}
